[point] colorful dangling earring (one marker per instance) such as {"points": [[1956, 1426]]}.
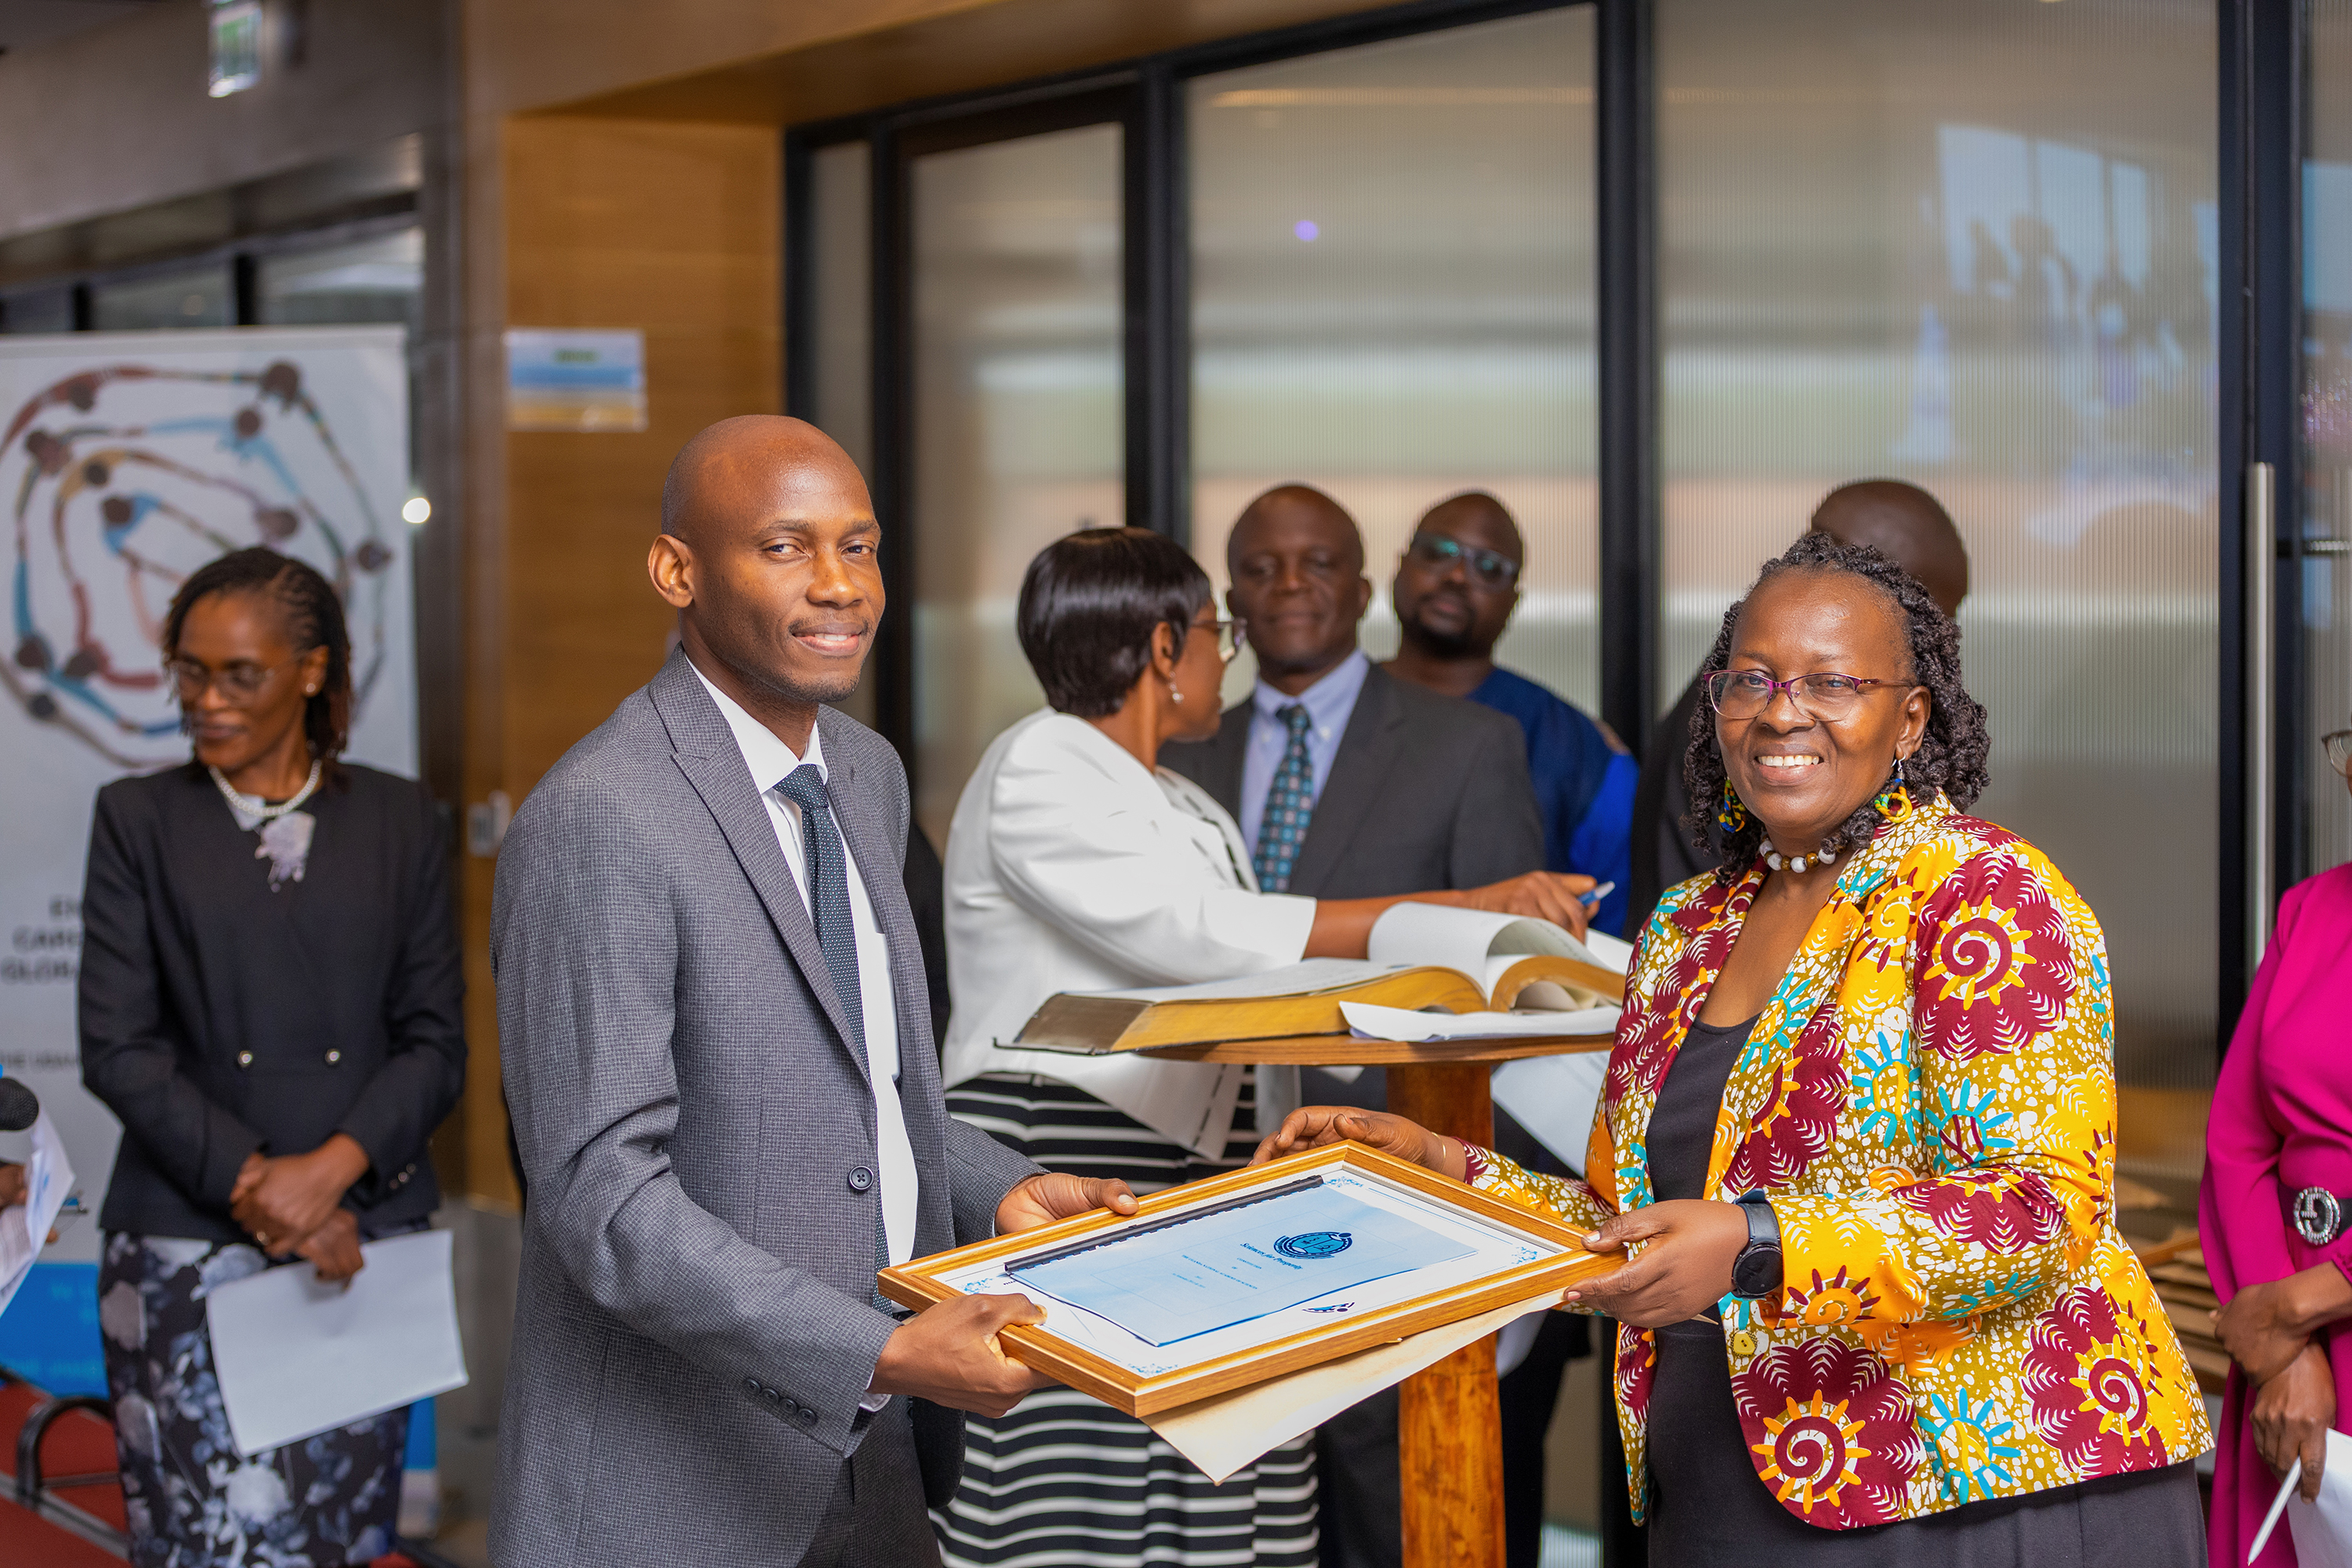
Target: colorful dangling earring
{"points": [[1894, 802], [1731, 816]]}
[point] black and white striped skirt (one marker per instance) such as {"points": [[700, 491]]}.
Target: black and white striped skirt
{"points": [[1065, 1480]]}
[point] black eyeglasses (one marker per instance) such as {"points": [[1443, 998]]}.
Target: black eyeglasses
{"points": [[2338, 747], [1491, 569]]}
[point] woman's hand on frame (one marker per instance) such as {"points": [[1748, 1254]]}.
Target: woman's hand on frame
{"points": [[1314, 1126], [1684, 1267], [2291, 1413]]}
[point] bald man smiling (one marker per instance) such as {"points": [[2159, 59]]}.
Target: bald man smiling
{"points": [[716, 1047]]}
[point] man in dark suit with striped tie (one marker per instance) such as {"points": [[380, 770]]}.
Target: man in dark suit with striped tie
{"points": [[1349, 783]]}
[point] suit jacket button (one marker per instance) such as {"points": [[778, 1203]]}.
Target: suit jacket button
{"points": [[753, 1384], [808, 1416], [861, 1179]]}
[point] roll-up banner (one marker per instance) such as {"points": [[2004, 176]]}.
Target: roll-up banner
{"points": [[129, 460]]}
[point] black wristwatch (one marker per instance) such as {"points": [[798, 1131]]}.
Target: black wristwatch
{"points": [[1757, 1271]]}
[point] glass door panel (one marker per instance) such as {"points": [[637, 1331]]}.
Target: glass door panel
{"points": [[1392, 299], [1019, 417], [1973, 245], [2328, 419]]}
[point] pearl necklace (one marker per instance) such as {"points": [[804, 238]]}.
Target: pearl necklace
{"points": [[253, 805], [1797, 863]]}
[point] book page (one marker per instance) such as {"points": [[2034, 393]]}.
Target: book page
{"points": [[1369, 1021], [1464, 940], [1291, 979]]}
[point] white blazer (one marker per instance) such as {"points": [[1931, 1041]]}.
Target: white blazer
{"points": [[1072, 868]]}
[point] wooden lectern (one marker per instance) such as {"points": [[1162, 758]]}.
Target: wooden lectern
{"points": [[1449, 1423]]}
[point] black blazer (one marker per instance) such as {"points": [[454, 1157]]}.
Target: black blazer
{"points": [[219, 1017], [1426, 792]]}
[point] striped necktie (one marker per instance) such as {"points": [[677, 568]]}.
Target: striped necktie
{"points": [[1289, 802]]}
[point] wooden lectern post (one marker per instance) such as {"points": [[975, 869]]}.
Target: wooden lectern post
{"points": [[1450, 1424], [1449, 1419]]}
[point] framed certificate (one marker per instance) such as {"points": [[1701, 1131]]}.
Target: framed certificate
{"points": [[1228, 1282]]}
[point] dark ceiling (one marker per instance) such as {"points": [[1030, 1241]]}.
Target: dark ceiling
{"points": [[23, 23]]}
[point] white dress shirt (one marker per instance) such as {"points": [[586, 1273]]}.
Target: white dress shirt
{"points": [[1071, 867], [770, 761]]}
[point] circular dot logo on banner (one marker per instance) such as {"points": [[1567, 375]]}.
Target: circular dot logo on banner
{"points": [[124, 478]]}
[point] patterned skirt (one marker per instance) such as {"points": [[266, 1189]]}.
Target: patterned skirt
{"points": [[193, 1502], [1066, 1480]]}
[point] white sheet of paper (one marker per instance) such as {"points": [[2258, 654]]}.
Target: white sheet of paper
{"points": [[49, 1177], [2323, 1530], [1223, 1434], [297, 1357], [1554, 1098], [1371, 1022]]}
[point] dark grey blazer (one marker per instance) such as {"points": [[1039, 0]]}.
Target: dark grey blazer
{"points": [[694, 1331], [1426, 792]]}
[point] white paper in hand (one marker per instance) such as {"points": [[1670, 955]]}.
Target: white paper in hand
{"points": [[2323, 1530], [297, 1357], [24, 1230]]}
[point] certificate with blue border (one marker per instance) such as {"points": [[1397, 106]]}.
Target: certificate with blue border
{"points": [[1248, 1275]]}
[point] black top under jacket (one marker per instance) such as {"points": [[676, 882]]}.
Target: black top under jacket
{"points": [[219, 1017]]}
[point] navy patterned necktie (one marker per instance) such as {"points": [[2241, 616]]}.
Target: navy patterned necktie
{"points": [[828, 892], [828, 887], [1289, 802]]}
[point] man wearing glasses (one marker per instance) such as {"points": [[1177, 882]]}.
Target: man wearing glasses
{"points": [[1454, 592]]}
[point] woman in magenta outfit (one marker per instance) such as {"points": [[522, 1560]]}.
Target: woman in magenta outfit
{"points": [[2275, 1213]]}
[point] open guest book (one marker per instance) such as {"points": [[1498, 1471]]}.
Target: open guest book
{"points": [[1426, 959]]}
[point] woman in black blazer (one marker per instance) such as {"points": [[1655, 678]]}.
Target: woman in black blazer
{"points": [[270, 992]]}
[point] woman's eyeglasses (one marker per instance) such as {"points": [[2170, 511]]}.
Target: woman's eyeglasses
{"points": [[1231, 634], [240, 683], [1490, 569], [2338, 747], [1744, 693]]}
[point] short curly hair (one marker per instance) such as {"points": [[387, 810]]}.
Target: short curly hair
{"points": [[1951, 755]]}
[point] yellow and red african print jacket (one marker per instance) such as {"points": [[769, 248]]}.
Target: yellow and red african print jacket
{"points": [[1929, 1100]]}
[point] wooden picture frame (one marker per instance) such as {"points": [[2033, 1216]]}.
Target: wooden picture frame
{"points": [[923, 1282]]}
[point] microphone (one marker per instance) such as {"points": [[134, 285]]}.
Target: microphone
{"points": [[20, 1105]]}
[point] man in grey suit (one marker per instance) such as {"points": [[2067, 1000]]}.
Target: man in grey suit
{"points": [[1349, 783], [716, 1047]]}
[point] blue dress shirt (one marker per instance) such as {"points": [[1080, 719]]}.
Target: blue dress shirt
{"points": [[1329, 703], [1584, 787]]}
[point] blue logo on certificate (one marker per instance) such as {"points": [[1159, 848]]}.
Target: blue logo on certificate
{"points": [[1314, 1243]]}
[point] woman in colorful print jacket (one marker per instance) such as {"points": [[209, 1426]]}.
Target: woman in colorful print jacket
{"points": [[1888, 1026]]}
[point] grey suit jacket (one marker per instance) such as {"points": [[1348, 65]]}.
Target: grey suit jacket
{"points": [[1426, 792], [694, 1331]]}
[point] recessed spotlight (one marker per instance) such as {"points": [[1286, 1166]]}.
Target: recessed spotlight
{"points": [[417, 509]]}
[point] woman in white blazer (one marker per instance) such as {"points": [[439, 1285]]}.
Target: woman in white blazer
{"points": [[1075, 863]]}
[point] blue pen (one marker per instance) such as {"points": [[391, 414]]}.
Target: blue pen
{"points": [[1599, 893]]}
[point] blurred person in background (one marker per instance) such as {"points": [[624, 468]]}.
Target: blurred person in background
{"points": [[2272, 1209], [1454, 592], [1901, 522], [269, 1001], [1077, 863], [1860, 1121], [1349, 782]]}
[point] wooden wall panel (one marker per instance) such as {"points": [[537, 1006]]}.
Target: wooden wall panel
{"points": [[673, 229]]}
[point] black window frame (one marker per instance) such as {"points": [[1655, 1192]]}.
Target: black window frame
{"points": [[2259, 122]]}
